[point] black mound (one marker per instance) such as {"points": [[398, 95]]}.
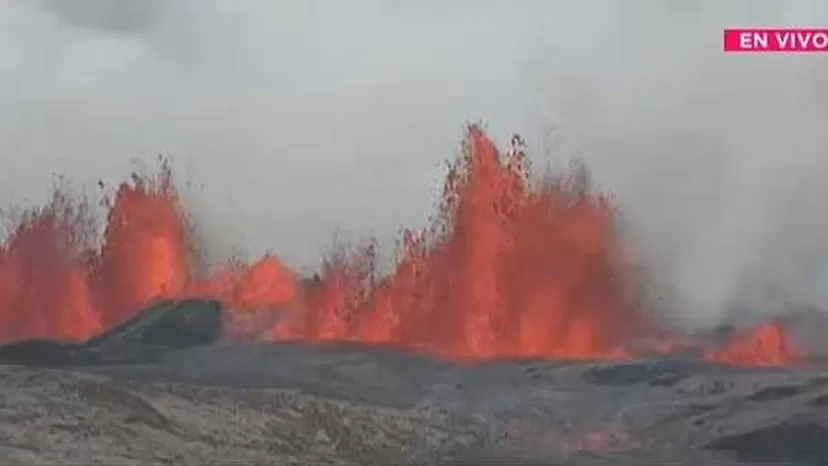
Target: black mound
{"points": [[160, 328]]}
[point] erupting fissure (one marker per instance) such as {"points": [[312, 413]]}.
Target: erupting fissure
{"points": [[509, 267]]}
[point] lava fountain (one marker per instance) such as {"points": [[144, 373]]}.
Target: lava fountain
{"points": [[510, 266]]}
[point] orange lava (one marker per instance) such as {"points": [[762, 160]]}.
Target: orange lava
{"points": [[44, 290], [766, 344], [145, 249], [509, 267]]}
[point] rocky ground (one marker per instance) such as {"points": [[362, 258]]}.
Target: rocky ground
{"points": [[368, 412], [144, 394], [49, 417]]}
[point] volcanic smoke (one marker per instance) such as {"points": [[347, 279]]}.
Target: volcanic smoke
{"points": [[510, 266]]}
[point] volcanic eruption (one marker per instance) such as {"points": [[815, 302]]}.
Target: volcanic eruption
{"points": [[510, 266]]}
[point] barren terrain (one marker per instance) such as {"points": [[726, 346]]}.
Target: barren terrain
{"points": [[343, 404]]}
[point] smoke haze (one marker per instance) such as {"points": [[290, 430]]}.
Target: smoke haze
{"points": [[301, 118]]}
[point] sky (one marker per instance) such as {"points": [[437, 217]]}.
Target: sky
{"points": [[297, 120]]}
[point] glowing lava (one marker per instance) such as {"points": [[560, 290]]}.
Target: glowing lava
{"points": [[766, 344], [145, 248], [509, 267], [43, 284], [504, 271]]}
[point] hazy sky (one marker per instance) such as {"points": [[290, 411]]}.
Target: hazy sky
{"points": [[301, 117]]}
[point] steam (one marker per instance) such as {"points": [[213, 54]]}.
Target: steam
{"points": [[303, 118], [716, 158]]}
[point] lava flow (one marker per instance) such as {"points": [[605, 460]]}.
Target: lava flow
{"points": [[509, 267]]}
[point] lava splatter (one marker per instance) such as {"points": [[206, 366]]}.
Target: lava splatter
{"points": [[510, 266]]}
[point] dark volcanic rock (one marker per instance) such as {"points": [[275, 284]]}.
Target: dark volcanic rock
{"points": [[655, 373], [802, 443], [37, 353], [820, 401], [162, 327], [775, 393]]}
